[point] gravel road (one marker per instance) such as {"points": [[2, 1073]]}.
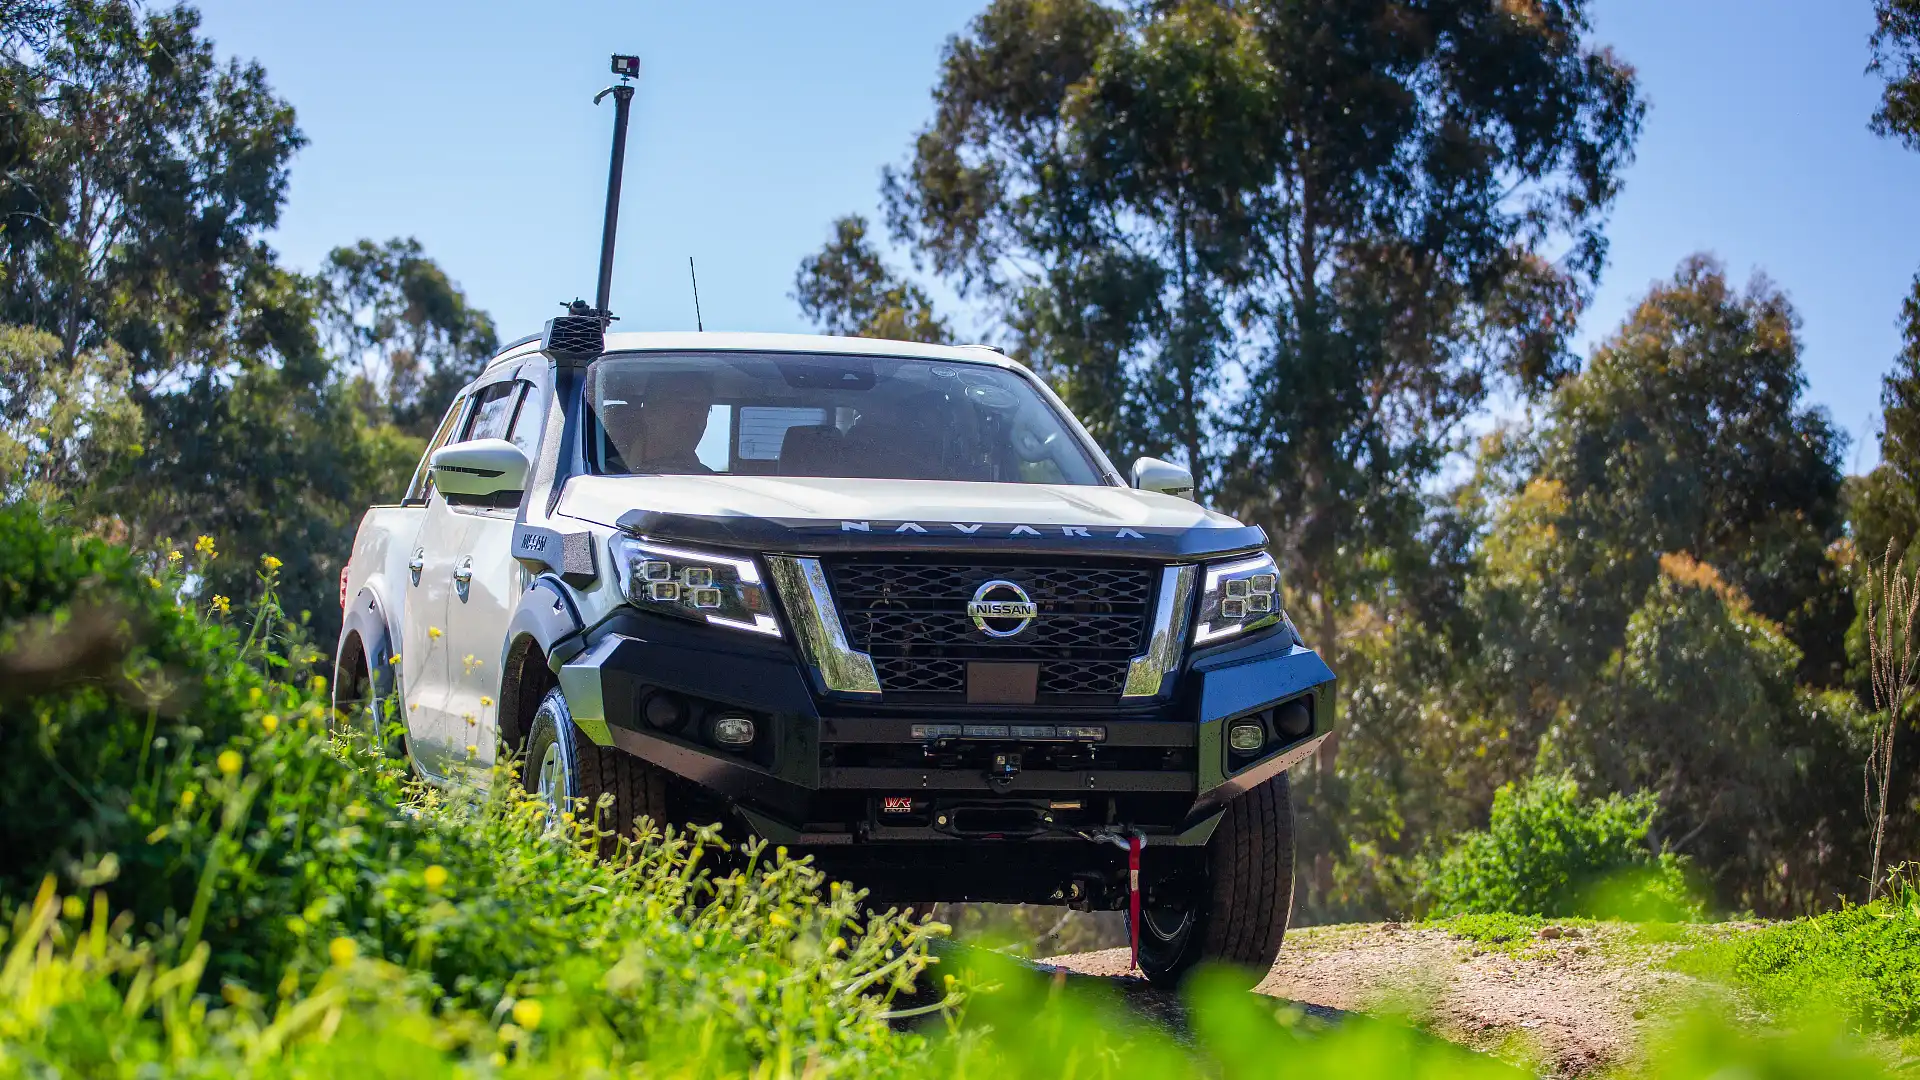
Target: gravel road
{"points": [[1571, 1003]]}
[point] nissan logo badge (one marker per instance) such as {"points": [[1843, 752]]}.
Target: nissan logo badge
{"points": [[1001, 609]]}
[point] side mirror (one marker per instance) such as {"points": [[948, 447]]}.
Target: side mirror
{"points": [[1152, 474], [480, 467]]}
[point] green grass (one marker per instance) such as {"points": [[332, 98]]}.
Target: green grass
{"points": [[1501, 930], [1861, 963]]}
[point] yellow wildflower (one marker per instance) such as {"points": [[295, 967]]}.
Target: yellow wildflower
{"points": [[221, 604], [204, 546], [270, 562], [186, 799], [434, 632], [153, 581], [317, 684], [343, 950], [485, 701], [472, 749], [527, 1013], [435, 877], [269, 722], [228, 761], [174, 556]]}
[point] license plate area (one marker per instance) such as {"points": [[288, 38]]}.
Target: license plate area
{"points": [[999, 683]]}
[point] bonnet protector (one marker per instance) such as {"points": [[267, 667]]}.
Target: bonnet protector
{"points": [[808, 535]]}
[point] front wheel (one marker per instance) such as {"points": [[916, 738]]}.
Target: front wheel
{"points": [[1234, 908], [572, 775]]}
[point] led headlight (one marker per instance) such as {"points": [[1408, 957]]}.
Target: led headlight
{"points": [[724, 590], [1238, 596]]}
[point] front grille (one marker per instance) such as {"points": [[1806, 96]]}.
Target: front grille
{"points": [[912, 618]]}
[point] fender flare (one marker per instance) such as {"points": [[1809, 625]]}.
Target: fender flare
{"points": [[545, 619], [547, 615], [366, 617]]}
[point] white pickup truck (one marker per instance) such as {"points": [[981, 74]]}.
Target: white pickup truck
{"points": [[885, 603]]}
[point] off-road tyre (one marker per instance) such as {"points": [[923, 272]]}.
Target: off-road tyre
{"points": [[366, 696], [1241, 900], [599, 784]]}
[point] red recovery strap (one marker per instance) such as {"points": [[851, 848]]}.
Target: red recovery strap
{"points": [[1134, 844]]}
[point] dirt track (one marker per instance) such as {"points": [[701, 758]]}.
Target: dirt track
{"points": [[1571, 1003]]}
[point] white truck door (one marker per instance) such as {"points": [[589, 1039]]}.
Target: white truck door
{"points": [[418, 590], [425, 655], [488, 583], [437, 650]]}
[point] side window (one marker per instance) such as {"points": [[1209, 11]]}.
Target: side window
{"points": [[528, 423], [493, 411], [422, 485]]}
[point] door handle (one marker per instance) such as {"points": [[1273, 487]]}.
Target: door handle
{"points": [[464, 572], [416, 564]]}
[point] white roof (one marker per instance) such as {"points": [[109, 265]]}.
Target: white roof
{"points": [[694, 341]]}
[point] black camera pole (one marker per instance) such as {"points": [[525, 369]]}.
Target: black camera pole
{"points": [[576, 338], [626, 67]]}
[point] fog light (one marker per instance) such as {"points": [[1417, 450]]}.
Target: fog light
{"points": [[1293, 719], [664, 710], [732, 729], [1246, 735]]}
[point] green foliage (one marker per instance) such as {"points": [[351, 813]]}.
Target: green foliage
{"points": [[1688, 433], [1622, 588], [1862, 963], [1128, 188], [1751, 769], [1886, 502], [1896, 56], [392, 317], [846, 288], [1546, 851], [1495, 928], [140, 171], [63, 426], [230, 843]]}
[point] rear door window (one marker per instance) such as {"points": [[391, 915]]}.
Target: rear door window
{"points": [[422, 484]]}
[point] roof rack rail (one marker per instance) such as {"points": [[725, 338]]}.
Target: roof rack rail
{"points": [[515, 343], [984, 345]]}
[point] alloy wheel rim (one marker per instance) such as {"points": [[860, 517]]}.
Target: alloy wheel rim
{"points": [[1165, 924], [552, 784]]}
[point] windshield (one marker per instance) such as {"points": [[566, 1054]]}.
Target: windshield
{"points": [[870, 417]]}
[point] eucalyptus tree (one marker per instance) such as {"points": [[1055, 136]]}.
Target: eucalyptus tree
{"points": [[1295, 241], [404, 332], [847, 288], [1886, 502], [142, 174]]}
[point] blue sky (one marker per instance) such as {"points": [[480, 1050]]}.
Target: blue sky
{"points": [[469, 126]]}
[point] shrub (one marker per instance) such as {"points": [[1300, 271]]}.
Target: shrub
{"points": [[1547, 852]]}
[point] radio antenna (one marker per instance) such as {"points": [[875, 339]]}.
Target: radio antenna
{"points": [[697, 324]]}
